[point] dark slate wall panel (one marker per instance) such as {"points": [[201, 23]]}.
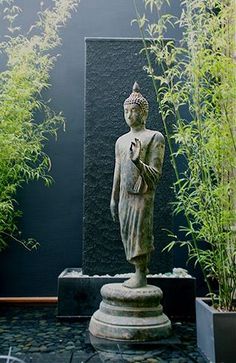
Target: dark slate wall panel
{"points": [[112, 66]]}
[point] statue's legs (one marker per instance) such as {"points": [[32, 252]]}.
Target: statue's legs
{"points": [[139, 278]]}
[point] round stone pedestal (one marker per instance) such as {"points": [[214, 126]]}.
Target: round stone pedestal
{"points": [[130, 314]]}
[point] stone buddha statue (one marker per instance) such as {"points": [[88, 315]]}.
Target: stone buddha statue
{"points": [[139, 157], [132, 311]]}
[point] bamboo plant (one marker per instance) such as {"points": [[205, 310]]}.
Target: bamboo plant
{"points": [[199, 74], [27, 60]]}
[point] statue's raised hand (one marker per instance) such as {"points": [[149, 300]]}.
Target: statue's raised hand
{"points": [[135, 150]]}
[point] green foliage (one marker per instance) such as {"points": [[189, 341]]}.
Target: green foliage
{"points": [[26, 75], [200, 73]]}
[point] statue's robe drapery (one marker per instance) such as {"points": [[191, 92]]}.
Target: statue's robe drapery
{"points": [[137, 190]]}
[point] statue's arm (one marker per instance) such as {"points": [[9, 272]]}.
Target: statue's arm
{"points": [[116, 186], [152, 170]]}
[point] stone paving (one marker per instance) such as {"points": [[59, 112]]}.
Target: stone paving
{"points": [[35, 335]]}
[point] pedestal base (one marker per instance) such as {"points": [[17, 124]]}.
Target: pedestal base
{"points": [[130, 314]]}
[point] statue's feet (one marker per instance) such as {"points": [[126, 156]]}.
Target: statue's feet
{"points": [[136, 281]]}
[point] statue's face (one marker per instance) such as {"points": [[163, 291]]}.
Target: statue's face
{"points": [[133, 115]]}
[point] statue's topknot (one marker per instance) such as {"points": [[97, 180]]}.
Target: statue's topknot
{"points": [[137, 98], [136, 87]]}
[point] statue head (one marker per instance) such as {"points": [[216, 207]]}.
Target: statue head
{"points": [[138, 105]]}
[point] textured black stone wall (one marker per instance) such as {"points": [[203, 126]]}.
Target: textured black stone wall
{"points": [[112, 66]]}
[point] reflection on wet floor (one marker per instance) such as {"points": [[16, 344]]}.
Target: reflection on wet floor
{"points": [[35, 335]]}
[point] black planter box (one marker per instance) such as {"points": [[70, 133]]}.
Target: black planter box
{"points": [[79, 296], [216, 333]]}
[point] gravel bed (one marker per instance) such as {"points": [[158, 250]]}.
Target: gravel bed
{"points": [[34, 335]]}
